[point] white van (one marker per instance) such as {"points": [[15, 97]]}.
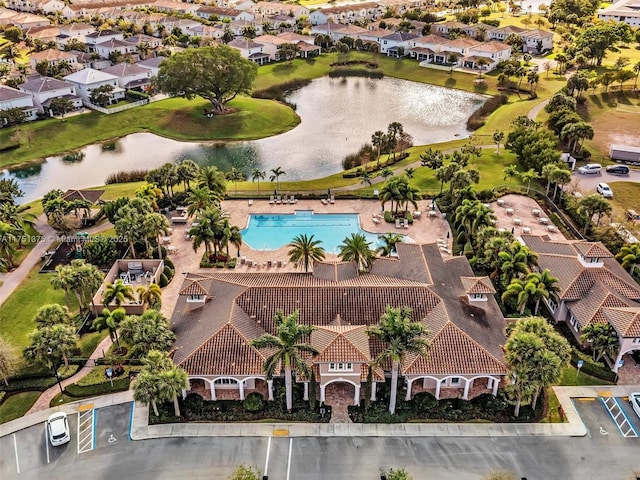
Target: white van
{"points": [[590, 168]]}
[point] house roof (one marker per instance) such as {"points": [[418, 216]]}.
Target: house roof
{"points": [[153, 62], [89, 76], [592, 249], [126, 69], [8, 93], [589, 309], [400, 37], [340, 310], [492, 46], [243, 43], [51, 54], [90, 195], [43, 84], [113, 43], [477, 285], [194, 288], [626, 320]]}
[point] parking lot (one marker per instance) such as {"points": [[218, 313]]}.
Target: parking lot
{"points": [[609, 419], [29, 450]]}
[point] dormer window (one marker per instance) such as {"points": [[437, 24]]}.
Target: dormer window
{"points": [[340, 367]]}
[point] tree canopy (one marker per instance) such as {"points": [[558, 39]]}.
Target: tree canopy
{"points": [[217, 74]]}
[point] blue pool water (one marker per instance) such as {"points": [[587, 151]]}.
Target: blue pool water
{"points": [[270, 232]]}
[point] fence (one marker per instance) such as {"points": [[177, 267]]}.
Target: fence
{"points": [[120, 108]]}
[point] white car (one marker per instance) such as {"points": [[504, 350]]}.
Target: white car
{"points": [[58, 429], [590, 168], [604, 190], [634, 398]]}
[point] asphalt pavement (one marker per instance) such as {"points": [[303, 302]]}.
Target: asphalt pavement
{"points": [[587, 183]]}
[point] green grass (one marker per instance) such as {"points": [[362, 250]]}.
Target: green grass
{"points": [[17, 405], [90, 341], [175, 117], [570, 377]]}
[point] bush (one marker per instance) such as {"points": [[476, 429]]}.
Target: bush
{"points": [[168, 272], [492, 22], [2, 395], [424, 401], [164, 281], [65, 371], [477, 118], [119, 385], [232, 263], [169, 263], [253, 402], [33, 383], [127, 176], [135, 95]]}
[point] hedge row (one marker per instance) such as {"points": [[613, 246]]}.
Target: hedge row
{"points": [[593, 369], [33, 383], [119, 385]]}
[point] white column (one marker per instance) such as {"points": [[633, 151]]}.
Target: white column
{"points": [[409, 384], [356, 396], [618, 358], [465, 395], [241, 388], [489, 382], [306, 391], [495, 387], [438, 389], [321, 393], [212, 387], [270, 388], [373, 391], [184, 394]]}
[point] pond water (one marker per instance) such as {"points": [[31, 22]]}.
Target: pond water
{"points": [[337, 117]]}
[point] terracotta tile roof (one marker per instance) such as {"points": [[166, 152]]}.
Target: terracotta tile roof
{"points": [[588, 277], [90, 195], [341, 343], [51, 54], [335, 271], [444, 358], [588, 309], [477, 285], [539, 245], [194, 288], [417, 269], [592, 249], [626, 321]]}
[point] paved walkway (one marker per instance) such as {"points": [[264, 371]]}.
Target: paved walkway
{"points": [[141, 430], [44, 400]]}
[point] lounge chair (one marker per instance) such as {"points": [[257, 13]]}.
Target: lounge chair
{"points": [[293, 199], [272, 200], [332, 199], [376, 220], [405, 223], [324, 201], [398, 223], [279, 263], [278, 199], [250, 202]]}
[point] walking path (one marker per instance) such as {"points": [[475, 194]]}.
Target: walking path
{"points": [[44, 400], [141, 430]]}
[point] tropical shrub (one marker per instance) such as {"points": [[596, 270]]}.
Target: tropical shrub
{"points": [[253, 402]]}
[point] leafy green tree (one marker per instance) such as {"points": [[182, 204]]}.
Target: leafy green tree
{"points": [[217, 74], [603, 339], [432, 159], [110, 320], [146, 332], [258, 174], [528, 177], [8, 237], [60, 106], [101, 95], [593, 205], [598, 39], [498, 137], [147, 390], [629, 256], [400, 337], [173, 381], [52, 314], [245, 472], [187, 171], [356, 248], [53, 342], [305, 250], [389, 241], [287, 348], [117, 293]]}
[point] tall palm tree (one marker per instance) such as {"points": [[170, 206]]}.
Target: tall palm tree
{"points": [[213, 179], [389, 241], [201, 234], [63, 279], [151, 193], [275, 175], [187, 171], [151, 294], [258, 174], [117, 293], [510, 172], [8, 236], [378, 140], [603, 338], [545, 283], [147, 390], [154, 225], [520, 291], [304, 250], [528, 177], [172, 382], [401, 337], [288, 349], [52, 342], [199, 199], [110, 320], [235, 176], [356, 248]]}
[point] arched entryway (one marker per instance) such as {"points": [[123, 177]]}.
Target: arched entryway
{"points": [[342, 390]]}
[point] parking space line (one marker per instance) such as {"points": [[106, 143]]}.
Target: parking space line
{"points": [[619, 417], [289, 460], [15, 448], [266, 462], [133, 405], [46, 442], [86, 431]]}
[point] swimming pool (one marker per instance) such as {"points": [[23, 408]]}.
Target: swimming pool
{"points": [[270, 232]]}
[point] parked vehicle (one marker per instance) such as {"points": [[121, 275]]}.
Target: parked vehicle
{"points": [[604, 190], [634, 398], [58, 429], [633, 215], [590, 168], [618, 169]]}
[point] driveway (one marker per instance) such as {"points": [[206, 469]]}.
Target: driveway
{"points": [[587, 183]]}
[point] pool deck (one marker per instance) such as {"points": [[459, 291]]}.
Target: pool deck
{"points": [[427, 229]]}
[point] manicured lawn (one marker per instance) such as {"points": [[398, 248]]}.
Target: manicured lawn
{"points": [[570, 377], [625, 195], [17, 405], [175, 117]]}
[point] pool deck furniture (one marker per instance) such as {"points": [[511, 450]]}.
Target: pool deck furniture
{"points": [[417, 214], [376, 220], [544, 221], [332, 199], [500, 202], [509, 211], [405, 223], [535, 212], [250, 202], [272, 200], [517, 221], [324, 201], [526, 230], [433, 214], [552, 228], [398, 223], [172, 249]]}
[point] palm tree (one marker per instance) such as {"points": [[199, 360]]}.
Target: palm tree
{"points": [[545, 283], [151, 193], [287, 349], [629, 256], [187, 171], [591, 205], [365, 177], [235, 176], [528, 176], [514, 261], [276, 173], [305, 250], [401, 337], [389, 241], [213, 179], [147, 332], [63, 279], [153, 226], [356, 248], [110, 320], [147, 390], [53, 342], [118, 293], [510, 172], [8, 236], [151, 294], [199, 199], [52, 314], [520, 291], [258, 174], [201, 234], [386, 172], [603, 338], [172, 382], [377, 140]]}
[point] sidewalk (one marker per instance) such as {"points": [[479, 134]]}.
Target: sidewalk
{"points": [[141, 430]]}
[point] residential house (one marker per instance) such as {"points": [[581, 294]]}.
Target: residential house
{"points": [[375, 35], [593, 288], [23, 21], [346, 14], [276, 8], [452, 25], [251, 50], [425, 48], [89, 79], [31, 6], [271, 43], [492, 53], [238, 27], [626, 11], [131, 76], [141, 39], [152, 64], [43, 34], [112, 46], [402, 6], [44, 89], [94, 38], [503, 32], [224, 13], [132, 272], [537, 41], [77, 31], [171, 6], [218, 315], [54, 58], [205, 31], [12, 98], [396, 44], [342, 31]]}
